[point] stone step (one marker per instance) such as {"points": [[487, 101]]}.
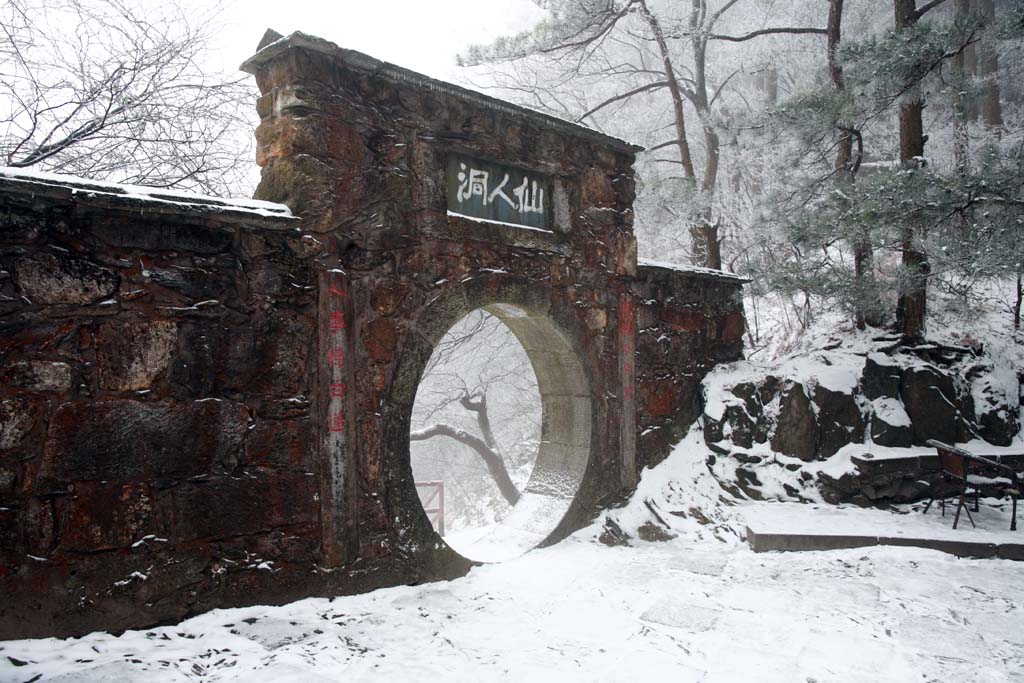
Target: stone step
{"points": [[761, 542], [774, 526]]}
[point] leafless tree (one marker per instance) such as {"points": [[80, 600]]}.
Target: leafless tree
{"points": [[645, 46], [478, 390], [118, 90]]}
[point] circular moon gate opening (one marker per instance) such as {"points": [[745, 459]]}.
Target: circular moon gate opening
{"points": [[498, 458]]}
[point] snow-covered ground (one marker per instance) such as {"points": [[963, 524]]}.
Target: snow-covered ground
{"points": [[584, 612], [699, 607]]}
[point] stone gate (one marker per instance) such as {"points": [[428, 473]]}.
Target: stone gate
{"points": [[207, 404]]}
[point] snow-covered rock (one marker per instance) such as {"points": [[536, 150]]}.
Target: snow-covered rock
{"points": [[791, 429]]}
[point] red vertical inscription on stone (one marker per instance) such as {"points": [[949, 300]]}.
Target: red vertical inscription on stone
{"points": [[336, 357], [336, 413], [627, 376]]}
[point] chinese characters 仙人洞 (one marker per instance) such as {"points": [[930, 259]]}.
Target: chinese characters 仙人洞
{"points": [[528, 197]]}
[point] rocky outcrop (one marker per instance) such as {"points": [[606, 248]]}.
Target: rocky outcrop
{"points": [[890, 424], [829, 400], [881, 376], [840, 420], [999, 425], [796, 432], [930, 399]]}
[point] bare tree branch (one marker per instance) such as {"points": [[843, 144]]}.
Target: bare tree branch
{"points": [[790, 30], [115, 90], [494, 462], [927, 7], [647, 87]]}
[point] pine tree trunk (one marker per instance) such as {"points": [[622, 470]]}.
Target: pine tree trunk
{"points": [[960, 139], [707, 246], [970, 55], [913, 293], [704, 247], [708, 229], [845, 166], [1016, 306], [988, 70]]}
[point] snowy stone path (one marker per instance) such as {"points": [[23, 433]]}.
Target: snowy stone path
{"points": [[580, 611]]}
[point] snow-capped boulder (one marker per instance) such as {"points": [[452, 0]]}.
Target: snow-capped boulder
{"points": [[840, 421], [994, 397], [881, 376], [737, 421], [890, 424], [796, 433], [998, 426], [930, 400]]}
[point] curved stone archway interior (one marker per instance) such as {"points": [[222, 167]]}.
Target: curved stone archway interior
{"points": [[561, 455]]}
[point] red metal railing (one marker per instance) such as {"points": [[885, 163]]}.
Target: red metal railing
{"points": [[432, 499]]}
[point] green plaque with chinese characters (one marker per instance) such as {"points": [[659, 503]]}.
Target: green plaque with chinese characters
{"points": [[493, 192]]}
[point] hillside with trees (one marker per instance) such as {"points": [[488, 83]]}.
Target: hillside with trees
{"points": [[853, 153], [863, 164]]}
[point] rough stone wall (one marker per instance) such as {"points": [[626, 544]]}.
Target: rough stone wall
{"points": [[687, 322], [203, 407], [154, 415]]}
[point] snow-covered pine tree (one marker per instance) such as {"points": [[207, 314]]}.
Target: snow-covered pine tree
{"points": [[904, 205]]}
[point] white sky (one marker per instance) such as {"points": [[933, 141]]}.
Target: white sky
{"points": [[422, 35]]}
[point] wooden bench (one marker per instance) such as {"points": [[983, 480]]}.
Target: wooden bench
{"points": [[969, 473]]}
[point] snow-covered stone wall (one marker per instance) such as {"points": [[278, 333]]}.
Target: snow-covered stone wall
{"points": [[688, 321], [155, 440]]}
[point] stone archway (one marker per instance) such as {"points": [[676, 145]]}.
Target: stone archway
{"points": [[399, 175], [567, 419], [280, 351], [376, 159]]}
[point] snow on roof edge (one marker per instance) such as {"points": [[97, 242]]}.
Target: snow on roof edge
{"points": [[692, 270], [145, 193]]}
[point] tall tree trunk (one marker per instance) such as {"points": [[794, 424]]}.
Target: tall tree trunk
{"points": [[673, 88], [706, 244], [963, 78], [1016, 305], [835, 72], [705, 249], [913, 291], [846, 171], [988, 70]]}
